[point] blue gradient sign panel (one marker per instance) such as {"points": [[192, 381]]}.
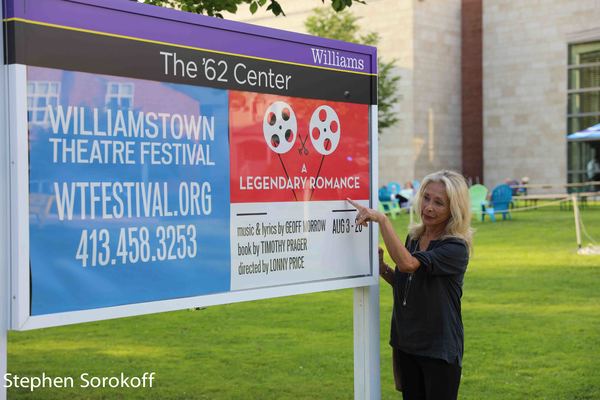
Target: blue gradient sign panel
{"points": [[125, 181]]}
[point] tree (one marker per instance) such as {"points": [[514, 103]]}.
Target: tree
{"points": [[343, 25], [215, 7]]}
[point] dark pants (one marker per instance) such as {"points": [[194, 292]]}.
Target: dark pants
{"points": [[402, 201], [425, 378]]}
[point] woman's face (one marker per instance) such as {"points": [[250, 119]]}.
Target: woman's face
{"points": [[435, 206]]}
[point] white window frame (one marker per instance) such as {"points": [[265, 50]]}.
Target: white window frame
{"points": [[120, 94], [35, 92]]}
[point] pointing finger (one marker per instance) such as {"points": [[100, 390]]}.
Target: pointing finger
{"points": [[355, 204]]}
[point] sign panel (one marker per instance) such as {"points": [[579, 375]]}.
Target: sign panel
{"points": [[126, 176], [166, 168], [293, 162]]}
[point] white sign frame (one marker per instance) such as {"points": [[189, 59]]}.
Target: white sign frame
{"points": [[5, 237]]}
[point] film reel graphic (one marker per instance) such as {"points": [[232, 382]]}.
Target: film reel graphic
{"points": [[280, 129], [324, 131]]}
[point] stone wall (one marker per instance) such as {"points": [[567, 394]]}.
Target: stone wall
{"points": [[525, 85], [436, 86]]}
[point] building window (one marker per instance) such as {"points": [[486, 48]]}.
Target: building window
{"points": [[119, 95], [583, 109], [40, 95]]}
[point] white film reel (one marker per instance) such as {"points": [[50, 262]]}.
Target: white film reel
{"points": [[325, 130], [280, 127]]}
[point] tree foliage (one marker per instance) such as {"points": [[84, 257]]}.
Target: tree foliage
{"points": [[214, 8], [344, 26]]}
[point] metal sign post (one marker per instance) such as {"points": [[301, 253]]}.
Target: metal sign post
{"points": [[4, 216], [367, 384]]}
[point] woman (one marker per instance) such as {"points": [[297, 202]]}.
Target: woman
{"points": [[427, 330]]}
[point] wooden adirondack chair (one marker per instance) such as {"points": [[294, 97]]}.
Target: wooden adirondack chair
{"points": [[478, 195], [499, 203], [390, 208], [386, 204]]}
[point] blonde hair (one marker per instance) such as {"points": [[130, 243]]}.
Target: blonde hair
{"points": [[459, 223]]}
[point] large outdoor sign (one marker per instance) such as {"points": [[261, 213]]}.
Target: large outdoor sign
{"points": [[164, 160]]}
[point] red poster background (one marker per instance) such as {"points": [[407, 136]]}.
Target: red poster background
{"points": [[251, 156]]}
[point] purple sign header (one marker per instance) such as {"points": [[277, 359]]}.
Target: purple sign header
{"points": [[157, 24]]}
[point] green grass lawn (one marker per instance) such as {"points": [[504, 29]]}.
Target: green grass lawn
{"points": [[531, 309]]}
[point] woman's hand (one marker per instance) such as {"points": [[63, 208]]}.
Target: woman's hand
{"points": [[383, 267], [365, 214], [384, 270], [404, 261]]}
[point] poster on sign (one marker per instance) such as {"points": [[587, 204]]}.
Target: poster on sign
{"points": [[293, 164], [158, 170]]}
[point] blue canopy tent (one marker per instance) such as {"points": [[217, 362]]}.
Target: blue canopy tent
{"points": [[588, 134]]}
